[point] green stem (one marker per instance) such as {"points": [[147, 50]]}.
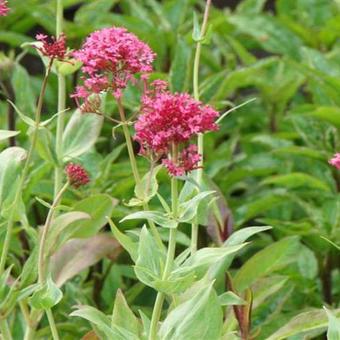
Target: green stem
{"points": [[42, 256], [134, 167], [5, 331], [58, 174], [52, 324], [200, 140], [169, 258], [10, 221]]}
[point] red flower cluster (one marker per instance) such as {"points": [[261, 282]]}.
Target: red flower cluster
{"points": [[111, 57], [52, 47], [335, 161], [169, 119], [77, 175], [3, 8]]}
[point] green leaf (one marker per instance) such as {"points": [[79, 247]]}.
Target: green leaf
{"points": [[189, 321], [303, 323], [99, 207], [297, 180], [148, 186], [230, 299], [333, 332], [251, 7], [307, 263], [24, 94], [10, 166], [93, 12], [179, 71], [236, 238], [206, 257], [29, 121], [81, 133], [300, 151], [188, 210], [240, 78], [62, 229], [151, 259], [102, 323], [122, 315], [46, 296], [155, 216], [125, 241], [193, 268], [4, 134], [266, 261], [196, 31], [269, 33], [329, 114], [67, 67]]}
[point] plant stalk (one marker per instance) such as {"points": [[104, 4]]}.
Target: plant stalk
{"points": [[58, 173], [42, 256], [169, 258], [10, 222], [52, 324], [4, 330], [134, 167], [200, 140]]}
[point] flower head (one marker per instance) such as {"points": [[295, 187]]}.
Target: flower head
{"points": [[111, 58], [172, 119], [187, 161], [335, 161], [77, 175], [52, 47], [3, 8]]}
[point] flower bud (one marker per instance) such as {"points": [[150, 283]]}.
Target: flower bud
{"points": [[77, 175]]}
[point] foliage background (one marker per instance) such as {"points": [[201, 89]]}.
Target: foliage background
{"points": [[269, 158]]}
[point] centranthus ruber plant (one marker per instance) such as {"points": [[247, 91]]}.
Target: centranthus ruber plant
{"points": [[126, 194]]}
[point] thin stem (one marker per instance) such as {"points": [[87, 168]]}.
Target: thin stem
{"points": [[52, 324], [134, 167], [5, 331], [169, 258], [42, 257], [200, 141], [10, 222], [58, 174]]}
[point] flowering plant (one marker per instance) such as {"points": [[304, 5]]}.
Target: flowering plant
{"points": [[130, 218]]}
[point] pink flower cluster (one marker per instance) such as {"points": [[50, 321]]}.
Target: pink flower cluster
{"points": [[335, 161], [111, 58], [52, 47], [3, 8], [172, 119], [77, 175]]}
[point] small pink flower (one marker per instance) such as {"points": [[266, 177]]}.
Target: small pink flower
{"points": [[52, 47], [3, 8], [111, 58], [335, 161], [77, 175]]}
